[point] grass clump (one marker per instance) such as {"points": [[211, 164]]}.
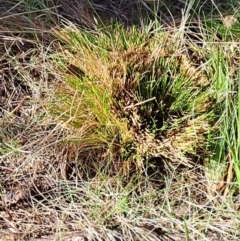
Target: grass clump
{"points": [[226, 87], [138, 94]]}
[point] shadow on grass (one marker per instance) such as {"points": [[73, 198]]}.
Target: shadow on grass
{"points": [[89, 12]]}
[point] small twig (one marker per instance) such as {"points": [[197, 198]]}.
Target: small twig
{"points": [[224, 184], [139, 103]]}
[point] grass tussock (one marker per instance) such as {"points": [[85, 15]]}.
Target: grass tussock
{"points": [[119, 126], [123, 88]]}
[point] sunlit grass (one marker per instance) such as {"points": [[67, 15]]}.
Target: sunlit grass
{"points": [[126, 90], [224, 69], [130, 132]]}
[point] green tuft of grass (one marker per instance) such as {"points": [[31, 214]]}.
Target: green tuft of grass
{"points": [[137, 94]]}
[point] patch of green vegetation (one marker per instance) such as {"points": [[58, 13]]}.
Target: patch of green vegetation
{"points": [[141, 96]]}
